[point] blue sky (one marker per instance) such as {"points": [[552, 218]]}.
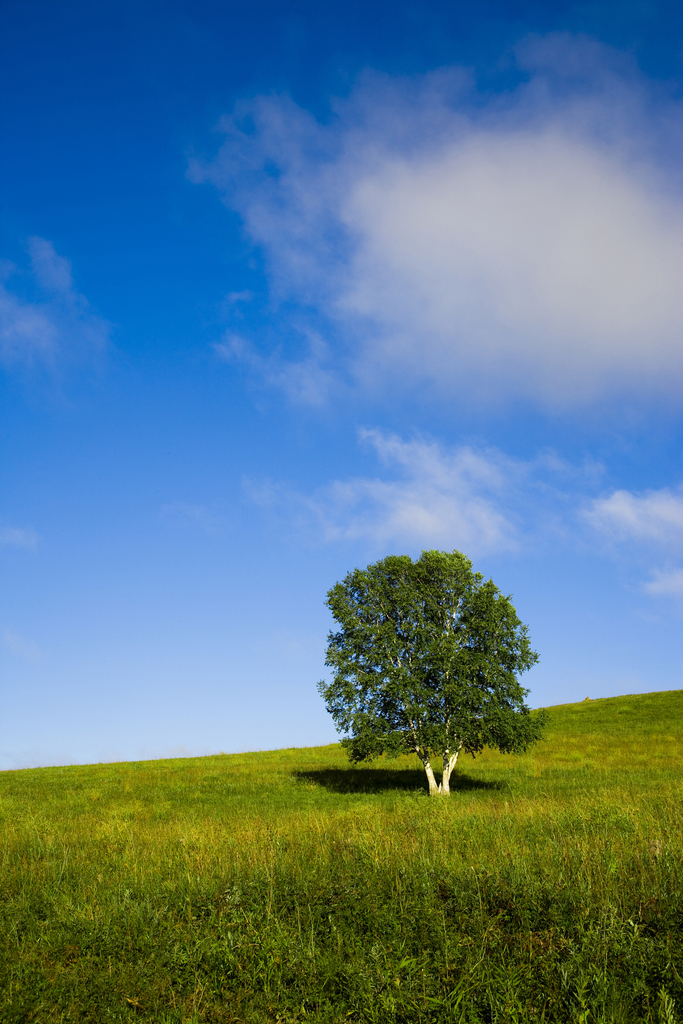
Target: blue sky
{"points": [[287, 287]]}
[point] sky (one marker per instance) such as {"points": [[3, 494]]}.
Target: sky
{"points": [[286, 287]]}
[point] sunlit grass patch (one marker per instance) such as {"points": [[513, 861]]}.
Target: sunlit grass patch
{"points": [[549, 886]]}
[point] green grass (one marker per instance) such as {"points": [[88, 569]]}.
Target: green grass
{"points": [[289, 886]]}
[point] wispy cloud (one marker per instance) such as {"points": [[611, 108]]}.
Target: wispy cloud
{"points": [[425, 494], [56, 323], [305, 381], [645, 528], [667, 582], [444, 499], [527, 244], [18, 537], [654, 516]]}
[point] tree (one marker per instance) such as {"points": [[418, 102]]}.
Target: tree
{"points": [[426, 660]]}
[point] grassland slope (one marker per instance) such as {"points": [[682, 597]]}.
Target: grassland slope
{"points": [[291, 886]]}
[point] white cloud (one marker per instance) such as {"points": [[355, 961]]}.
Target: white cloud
{"points": [[27, 332], [425, 493], [53, 272], [530, 244], [16, 537], [305, 381], [427, 496], [645, 526], [667, 582], [655, 516], [56, 323]]}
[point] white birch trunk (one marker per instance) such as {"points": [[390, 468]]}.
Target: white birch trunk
{"points": [[434, 789], [449, 762]]}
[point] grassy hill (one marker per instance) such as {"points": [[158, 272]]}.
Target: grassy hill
{"points": [[289, 886]]}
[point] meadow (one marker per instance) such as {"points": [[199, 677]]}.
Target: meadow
{"points": [[290, 886]]}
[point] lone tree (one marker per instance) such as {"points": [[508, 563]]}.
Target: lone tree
{"points": [[426, 661]]}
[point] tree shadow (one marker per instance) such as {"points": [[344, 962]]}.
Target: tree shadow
{"points": [[379, 780]]}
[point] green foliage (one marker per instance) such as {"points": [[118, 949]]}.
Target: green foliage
{"points": [[186, 891], [427, 660]]}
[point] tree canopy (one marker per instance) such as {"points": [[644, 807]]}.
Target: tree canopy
{"points": [[427, 659]]}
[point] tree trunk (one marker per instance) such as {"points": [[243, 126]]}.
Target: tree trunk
{"points": [[449, 761], [434, 790]]}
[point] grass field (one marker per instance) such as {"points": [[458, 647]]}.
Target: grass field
{"points": [[289, 886]]}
